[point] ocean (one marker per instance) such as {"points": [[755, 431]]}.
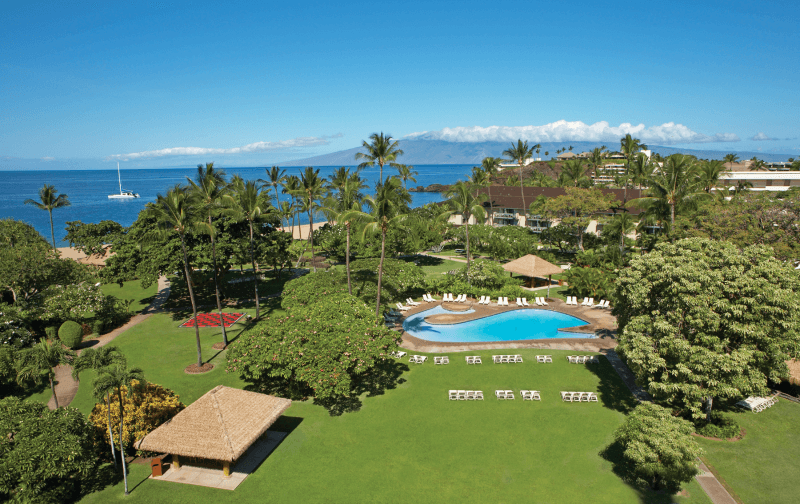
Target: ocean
{"points": [[88, 191]]}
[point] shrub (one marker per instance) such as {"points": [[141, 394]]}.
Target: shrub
{"points": [[718, 426], [71, 334], [312, 287], [97, 326], [14, 327], [51, 332], [146, 408]]}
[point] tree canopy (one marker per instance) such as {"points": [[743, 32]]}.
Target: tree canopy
{"points": [[701, 319]]}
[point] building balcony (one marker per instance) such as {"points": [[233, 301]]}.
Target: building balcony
{"points": [[503, 215]]}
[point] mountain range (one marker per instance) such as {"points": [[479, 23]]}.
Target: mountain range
{"points": [[427, 152]]}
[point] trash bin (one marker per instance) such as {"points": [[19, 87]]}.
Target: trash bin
{"points": [[156, 467]]}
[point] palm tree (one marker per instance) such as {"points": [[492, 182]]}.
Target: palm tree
{"points": [[630, 147], [641, 170], [730, 158], [709, 173], [341, 205], [570, 148], [621, 223], [276, 177], [757, 164], [491, 166], [537, 148], [463, 201], [520, 153], [539, 179], [311, 191], [208, 192], [246, 202], [596, 158], [386, 210], [381, 149], [112, 379], [49, 201], [174, 212], [39, 361], [285, 211], [575, 171], [291, 186], [676, 183], [96, 360], [406, 173]]}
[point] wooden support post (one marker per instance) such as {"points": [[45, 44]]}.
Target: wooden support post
{"points": [[226, 469], [176, 462]]}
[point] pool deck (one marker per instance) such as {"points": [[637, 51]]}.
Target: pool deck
{"points": [[601, 322]]}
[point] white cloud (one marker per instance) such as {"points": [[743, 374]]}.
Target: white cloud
{"points": [[761, 136], [48, 158], [203, 151], [566, 131]]}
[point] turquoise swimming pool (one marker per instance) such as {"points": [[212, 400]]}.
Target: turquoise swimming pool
{"points": [[507, 326]]}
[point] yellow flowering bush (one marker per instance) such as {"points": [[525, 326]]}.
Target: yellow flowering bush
{"points": [[146, 406]]}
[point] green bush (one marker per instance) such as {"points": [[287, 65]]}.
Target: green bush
{"points": [[51, 332], [70, 333], [97, 326], [718, 426]]}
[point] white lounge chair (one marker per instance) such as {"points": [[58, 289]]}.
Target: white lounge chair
{"points": [[398, 354], [431, 298], [476, 360], [585, 301], [519, 302], [487, 301], [566, 396], [411, 302], [591, 302], [403, 308], [509, 394], [481, 300], [470, 395], [526, 395], [525, 302], [517, 358], [538, 302], [548, 359], [505, 301], [544, 301], [441, 360], [535, 395], [592, 397], [479, 395], [500, 394], [573, 359], [540, 358], [462, 395], [453, 395]]}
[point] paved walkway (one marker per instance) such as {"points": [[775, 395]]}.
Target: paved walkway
{"points": [[66, 387]]}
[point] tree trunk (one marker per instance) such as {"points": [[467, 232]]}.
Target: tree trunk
{"points": [[53, 388], [194, 305], [522, 193], [52, 232], [216, 284], [255, 276], [580, 237], [622, 240], [380, 273], [491, 211], [121, 446], [347, 259], [709, 405], [672, 214], [466, 227], [311, 233], [111, 432], [294, 203]]}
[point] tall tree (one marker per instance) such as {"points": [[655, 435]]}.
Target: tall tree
{"points": [[291, 187], [463, 201], [386, 210], [175, 213], [630, 147], [520, 153], [709, 173], [641, 170], [207, 192], [757, 164], [575, 208], [312, 190], [246, 202], [730, 159], [49, 201], [622, 223], [675, 184], [39, 361], [343, 206], [111, 379], [701, 319], [381, 150], [275, 177], [491, 165], [596, 158], [406, 173], [97, 360], [576, 172]]}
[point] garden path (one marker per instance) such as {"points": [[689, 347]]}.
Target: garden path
{"points": [[66, 387]]}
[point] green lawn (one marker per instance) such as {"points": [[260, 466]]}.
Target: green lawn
{"points": [[435, 266], [230, 288], [132, 291], [762, 467], [410, 444]]}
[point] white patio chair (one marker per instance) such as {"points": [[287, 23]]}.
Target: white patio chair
{"points": [[509, 394], [462, 395], [592, 397], [526, 395], [479, 395], [572, 359], [540, 358], [470, 395], [518, 358], [496, 359], [453, 395], [437, 360], [476, 360], [500, 394], [445, 360], [525, 302], [548, 359], [566, 396], [535, 395], [504, 359], [584, 397]]}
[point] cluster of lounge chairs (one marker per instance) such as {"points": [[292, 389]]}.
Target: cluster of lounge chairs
{"points": [[466, 395], [417, 359], [544, 359], [441, 360], [578, 396], [448, 298], [398, 354], [587, 301], [583, 359], [757, 404], [506, 359], [473, 359]]}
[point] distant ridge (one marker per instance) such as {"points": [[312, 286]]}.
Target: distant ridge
{"points": [[424, 152]]}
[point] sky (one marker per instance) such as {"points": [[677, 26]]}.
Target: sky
{"points": [[155, 84]]}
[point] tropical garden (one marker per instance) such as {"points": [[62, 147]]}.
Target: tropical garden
{"points": [[701, 279]]}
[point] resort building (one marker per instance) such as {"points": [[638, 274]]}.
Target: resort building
{"points": [[762, 180]]}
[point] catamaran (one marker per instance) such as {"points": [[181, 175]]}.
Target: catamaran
{"points": [[122, 194]]}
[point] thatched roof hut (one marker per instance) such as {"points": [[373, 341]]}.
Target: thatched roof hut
{"points": [[533, 266], [221, 425]]}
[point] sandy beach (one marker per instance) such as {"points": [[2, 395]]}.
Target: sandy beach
{"points": [[77, 255], [301, 232]]}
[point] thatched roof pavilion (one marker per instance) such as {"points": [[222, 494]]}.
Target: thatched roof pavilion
{"points": [[221, 425], [533, 266]]}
